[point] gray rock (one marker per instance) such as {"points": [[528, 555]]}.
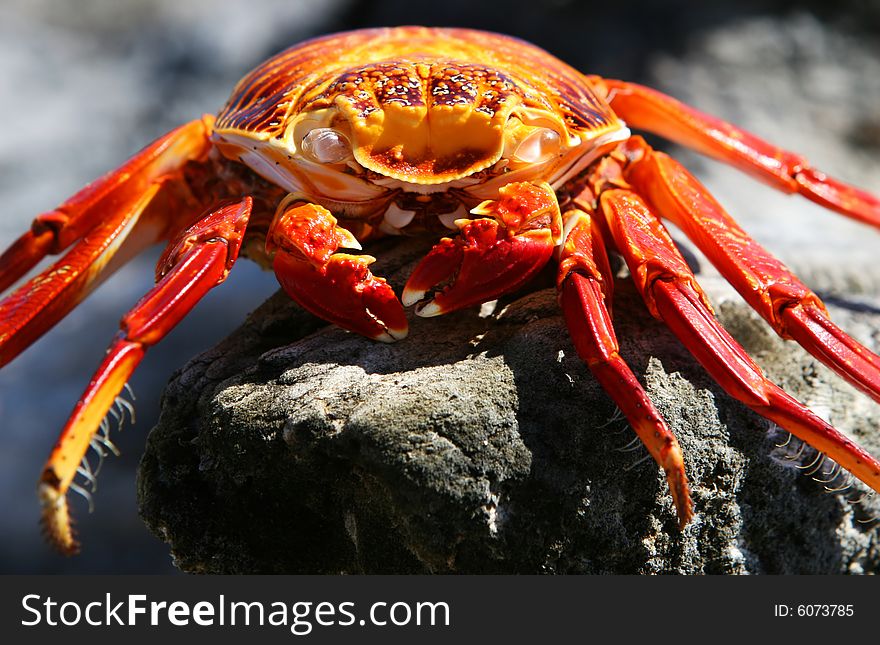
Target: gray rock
{"points": [[483, 444]]}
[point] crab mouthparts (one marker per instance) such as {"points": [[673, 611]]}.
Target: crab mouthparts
{"points": [[417, 211]]}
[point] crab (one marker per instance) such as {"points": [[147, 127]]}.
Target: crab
{"points": [[513, 155]]}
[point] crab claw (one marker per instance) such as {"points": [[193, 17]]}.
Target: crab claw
{"points": [[490, 257], [346, 293], [337, 287], [481, 264]]}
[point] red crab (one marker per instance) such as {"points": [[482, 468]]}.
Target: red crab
{"points": [[414, 130]]}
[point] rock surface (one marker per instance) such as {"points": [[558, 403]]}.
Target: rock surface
{"points": [[482, 444]]}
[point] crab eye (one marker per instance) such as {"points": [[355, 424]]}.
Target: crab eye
{"points": [[541, 145], [326, 145]]}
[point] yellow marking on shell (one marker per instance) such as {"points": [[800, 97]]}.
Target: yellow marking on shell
{"points": [[425, 145]]}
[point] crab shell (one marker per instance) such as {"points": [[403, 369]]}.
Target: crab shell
{"points": [[415, 105]]}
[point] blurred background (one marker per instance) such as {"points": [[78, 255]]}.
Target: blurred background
{"points": [[84, 85]]}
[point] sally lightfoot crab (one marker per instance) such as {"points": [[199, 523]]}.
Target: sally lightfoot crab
{"points": [[416, 131]]}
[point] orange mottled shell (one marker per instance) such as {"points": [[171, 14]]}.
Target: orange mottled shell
{"points": [[416, 74]]}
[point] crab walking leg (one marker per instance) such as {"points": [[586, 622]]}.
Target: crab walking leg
{"points": [[672, 295], [647, 109], [583, 276], [337, 287], [118, 190], [784, 301], [493, 255], [106, 222], [198, 260]]}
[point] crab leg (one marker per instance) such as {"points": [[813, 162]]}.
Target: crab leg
{"points": [[195, 262], [583, 278], [106, 224], [787, 304], [672, 295], [337, 287], [648, 109]]}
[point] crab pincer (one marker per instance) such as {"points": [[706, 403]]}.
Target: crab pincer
{"points": [[493, 255], [338, 287]]}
